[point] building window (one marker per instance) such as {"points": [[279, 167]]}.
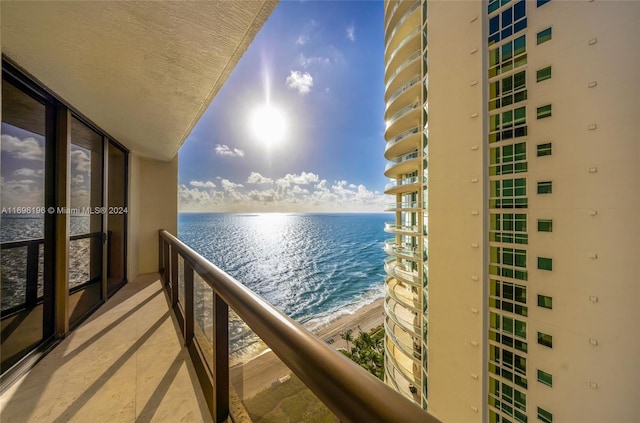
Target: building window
{"points": [[508, 159], [545, 378], [544, 339], [544, 36], [543, 149], [508, 228], [544, 415], [511, 21], [545, 263], [508, 193], [541, 2], [545, 302], [545, 187], [508, 297], [508, 91], [508, 56], [543, 111], [543, 74], [508, 124], [508, 262], [545, 225]]}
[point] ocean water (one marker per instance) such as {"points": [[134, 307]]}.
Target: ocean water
{"points": [[312, 267]]}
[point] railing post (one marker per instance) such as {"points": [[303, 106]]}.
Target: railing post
{"points": [[220, 358], [189, 303], [160, 255], [167, 268], [174, 276], [33, 255]]}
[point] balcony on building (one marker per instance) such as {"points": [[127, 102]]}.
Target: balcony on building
{"points": [[119, 320]]}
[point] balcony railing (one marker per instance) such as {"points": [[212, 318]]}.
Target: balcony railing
{"points": [[404, 88], [399, 24], [399, 160], [402, 112], [402, 67], [351, 393], [30, 289], [403, 182], [406, 205], [410, 36]]}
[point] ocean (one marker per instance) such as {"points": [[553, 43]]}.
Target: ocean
{"points": [[312, 267]]}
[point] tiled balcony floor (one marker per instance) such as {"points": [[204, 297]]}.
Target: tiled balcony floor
{"points": [[125, 363]]}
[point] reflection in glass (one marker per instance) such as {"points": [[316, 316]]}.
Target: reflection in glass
{"points": [[85, 242], [22, 224]]}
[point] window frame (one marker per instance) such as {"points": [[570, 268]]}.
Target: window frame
{"points": [[545, 263], [541, 74], [544, 303], [544, 187], [544, 149], [545, 111], [545, 339]]}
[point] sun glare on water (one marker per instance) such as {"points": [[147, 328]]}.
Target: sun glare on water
{"points": [[268, 125]]}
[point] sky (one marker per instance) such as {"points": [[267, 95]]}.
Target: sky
{"points": [[319, 66]]}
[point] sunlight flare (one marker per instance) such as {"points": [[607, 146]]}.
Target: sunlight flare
{"points": [[268, 125]]}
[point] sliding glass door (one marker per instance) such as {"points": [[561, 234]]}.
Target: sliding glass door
{"points": [[85, 223], [26, 312]]}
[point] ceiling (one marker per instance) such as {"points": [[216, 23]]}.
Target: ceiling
{"points": [[144, 72]]}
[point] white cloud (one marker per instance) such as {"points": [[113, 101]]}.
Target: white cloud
{"points": [[304, 192], [351, 32], [225, 150], [313, 60], [21, 193], [80, 160], [28, 172], [300, 81], [256, 178], [304, 178], [77, 181], [202, 184], [26, 149], [302, 40]]}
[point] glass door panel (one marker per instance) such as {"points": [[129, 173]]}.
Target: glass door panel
{"points": [[86, 214], [116, 218], [26, 314]]}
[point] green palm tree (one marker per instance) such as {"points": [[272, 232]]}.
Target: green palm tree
{"points": [[347, 335]]}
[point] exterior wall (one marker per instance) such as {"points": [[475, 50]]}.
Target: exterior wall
{"points": [[595, 207], [153, 205], [456, 213]]}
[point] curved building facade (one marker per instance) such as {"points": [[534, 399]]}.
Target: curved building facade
{"points": [[406, 151]]}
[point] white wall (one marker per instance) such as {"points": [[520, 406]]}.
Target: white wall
{"points": [[153, 205]]}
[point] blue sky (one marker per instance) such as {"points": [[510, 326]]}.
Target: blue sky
{"points": [[321, 65]]}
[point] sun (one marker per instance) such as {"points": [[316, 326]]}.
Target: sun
{"points": [[268, 125]]}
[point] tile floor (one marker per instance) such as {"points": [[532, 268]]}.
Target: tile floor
{"points": [[125, 363]]}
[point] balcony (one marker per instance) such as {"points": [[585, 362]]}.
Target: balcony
{"points": [[403, 120], [392, 106], [408, 20], [153, 353], [407, 206], [401, 272], [409, 44], [403, 143], [402, 165], [405, 250], [404, 185]]}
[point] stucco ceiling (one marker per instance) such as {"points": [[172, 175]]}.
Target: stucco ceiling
{"points": [[142, 71]]}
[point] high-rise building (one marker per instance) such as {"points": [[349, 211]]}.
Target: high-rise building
{"points": [[514, 152]]}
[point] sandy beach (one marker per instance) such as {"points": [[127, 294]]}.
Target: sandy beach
{"points": [[259, 373]]}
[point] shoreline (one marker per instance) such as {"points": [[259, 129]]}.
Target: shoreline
{"points": [[262, 371]]}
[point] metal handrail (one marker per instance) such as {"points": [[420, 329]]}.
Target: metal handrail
{"points": [[350, 392]]}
